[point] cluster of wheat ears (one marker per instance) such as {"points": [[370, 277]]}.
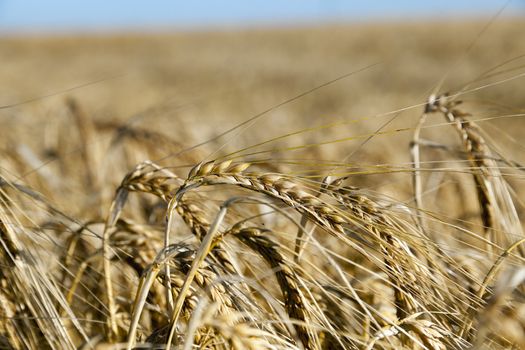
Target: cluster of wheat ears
{"points": [[237, 253]]}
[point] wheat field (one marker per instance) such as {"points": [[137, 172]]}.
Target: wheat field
{"points": [[318, 187]]}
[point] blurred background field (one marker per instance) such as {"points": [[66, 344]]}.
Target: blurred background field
{"points": [[192, 85]]}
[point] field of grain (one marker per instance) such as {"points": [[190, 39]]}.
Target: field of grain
{"points": [[333, 187]]}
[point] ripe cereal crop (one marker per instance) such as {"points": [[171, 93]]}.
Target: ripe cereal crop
{"points": [[334, 187]]}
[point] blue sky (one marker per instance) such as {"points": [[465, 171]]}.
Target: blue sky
{"points": [[52, 15]]}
